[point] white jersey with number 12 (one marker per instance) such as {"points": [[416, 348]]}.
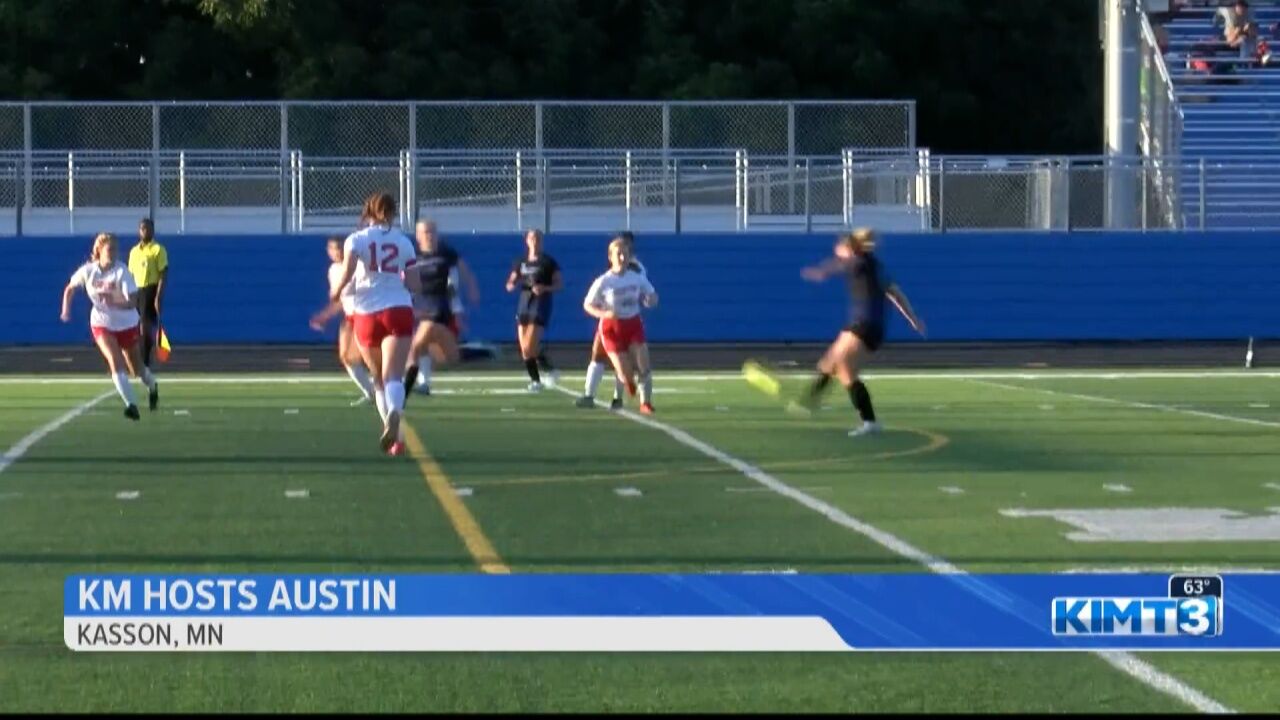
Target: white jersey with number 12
{"points": [[382, 255]]}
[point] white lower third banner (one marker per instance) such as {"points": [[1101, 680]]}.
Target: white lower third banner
{"points": [[450, 634]]}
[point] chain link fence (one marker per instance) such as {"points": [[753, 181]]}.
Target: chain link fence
{"points": [[685, 166]]}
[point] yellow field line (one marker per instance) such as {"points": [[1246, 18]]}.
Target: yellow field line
{"points": [[464, 523]]}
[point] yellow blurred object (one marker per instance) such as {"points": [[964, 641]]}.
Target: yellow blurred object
{"points": [[760, 378]]}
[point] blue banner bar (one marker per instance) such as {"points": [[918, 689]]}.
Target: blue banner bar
{"points": [[868, 612]]}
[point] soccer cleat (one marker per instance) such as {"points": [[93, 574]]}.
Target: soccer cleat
{"points": [[535, 387], [553, 378], [132, 413], [867, 428], [615, 404], [646, 408], [586, 401], [390, 433], [153, 397], [396, 449]]}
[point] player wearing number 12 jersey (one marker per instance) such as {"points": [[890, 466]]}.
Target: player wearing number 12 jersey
{"points": [[376, 259]]}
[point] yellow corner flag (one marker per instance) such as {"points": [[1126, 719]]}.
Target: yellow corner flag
{"points": [[760, 378], [163, 348]]}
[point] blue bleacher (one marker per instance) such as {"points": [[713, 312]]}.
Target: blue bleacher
{"points": [[1231, 120]]}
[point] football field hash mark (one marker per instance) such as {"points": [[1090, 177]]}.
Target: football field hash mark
{"points": [[464, 492], [1117, 488], [952, 490], [628, 492], [300, 494], [128, 495]]}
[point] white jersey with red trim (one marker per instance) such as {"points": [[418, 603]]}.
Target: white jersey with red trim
{"points": [[382, 255], [104, 287], [620, 293], [347, 297]]}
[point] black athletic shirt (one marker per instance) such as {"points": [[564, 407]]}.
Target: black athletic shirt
{"points": [[868, 280], [541, 271], [433, 270]]}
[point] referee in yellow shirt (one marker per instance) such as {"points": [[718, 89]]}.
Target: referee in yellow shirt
{"points": [[149, 264]]}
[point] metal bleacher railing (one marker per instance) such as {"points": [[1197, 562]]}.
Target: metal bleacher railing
{"points": [[1212, 107]]}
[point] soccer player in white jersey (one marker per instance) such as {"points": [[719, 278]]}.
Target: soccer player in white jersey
{"points": [[114, 319], [376, 257], [615, 298], [348, 353], [599, 358]]}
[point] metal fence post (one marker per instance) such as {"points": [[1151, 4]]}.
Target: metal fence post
{"points": [[911, 124], [1203, 222], [71, 192], [153, 203], [19, 187], [546, 195], [627, 187], [808, 185], [1066, 193], [182, 191], [412, 215], [675, 189], [791, 158], [284, 150], [942, 187], [26, 152], [1144, 194], [666, 144], [519, 190]]}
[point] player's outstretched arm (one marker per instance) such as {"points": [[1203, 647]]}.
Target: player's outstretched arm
{"points": [[320, 318], [67, 293], [348, 271], [900, 301], [823, 270]]}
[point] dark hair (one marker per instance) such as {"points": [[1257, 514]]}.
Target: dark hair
{"points": [[379, 209], [627, 237], [336, 240]]}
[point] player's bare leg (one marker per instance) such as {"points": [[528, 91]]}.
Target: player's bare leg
{"points": [[373, 360], [853, 358], [116, 365], [395, 354], [133, 358], [349, 356], [421, 360], [529, 355], [644, 370], [624, 368], [595, 372]]}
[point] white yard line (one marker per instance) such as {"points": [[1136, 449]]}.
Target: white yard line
{"points": [[21, 447], [1125, 662], [673, 376], [1133, 404]]}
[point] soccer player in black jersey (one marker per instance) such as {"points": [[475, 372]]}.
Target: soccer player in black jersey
{"points": [[869, 288], [537, 275], [437, 325]]}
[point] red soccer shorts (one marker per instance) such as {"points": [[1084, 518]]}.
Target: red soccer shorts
{"points": [[373, 328], [124, 338], [619, 334]]}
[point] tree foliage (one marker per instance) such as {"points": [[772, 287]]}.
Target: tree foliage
{"points": [[987, 75]]}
